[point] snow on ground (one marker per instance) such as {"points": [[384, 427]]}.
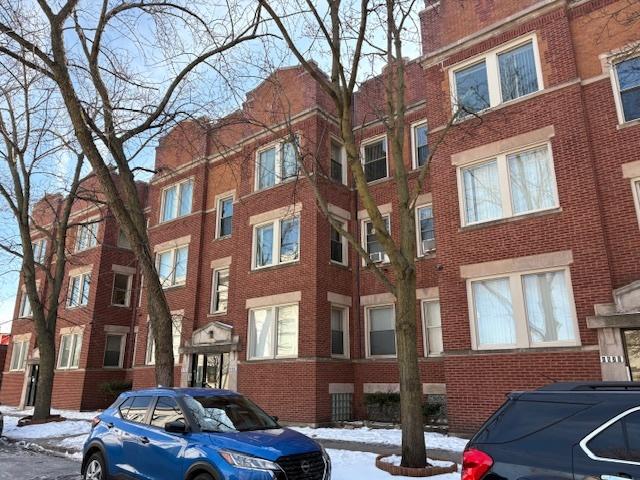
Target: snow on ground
{"points": [[381, 436], [68, 428], [347, 465], [70, 414]]}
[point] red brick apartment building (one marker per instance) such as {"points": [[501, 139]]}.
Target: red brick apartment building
{"points": [[529, 238]]}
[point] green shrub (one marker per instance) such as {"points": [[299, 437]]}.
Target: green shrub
{"points": [[115, 387]]}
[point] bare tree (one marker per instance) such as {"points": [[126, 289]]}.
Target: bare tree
{"points": [[122, 69], [30, 145]]}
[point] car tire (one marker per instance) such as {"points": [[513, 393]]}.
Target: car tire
{"points": [[96, 468]]}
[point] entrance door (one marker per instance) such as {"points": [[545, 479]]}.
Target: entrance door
{"points": [[32, 387], [632, 347], [210, 370]]}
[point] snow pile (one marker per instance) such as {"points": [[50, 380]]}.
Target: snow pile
{"points": [[44, 431], [70, 414]]}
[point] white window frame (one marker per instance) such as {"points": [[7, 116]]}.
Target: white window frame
{"points": [[414, 141], [127, 303], [219, 214], [81, 291], [368, 141], [39, 245], [123, 342], [174, 281], [122, 241], [363, 237], [635, 187], [345, 327], [213, 308], [615, 83], [425, 329], [176, 333], [343, 241], [279, 162], [76, 345], [519, 311], [20, 352], [140, 290], [367, 317], [176, 214], [275, 253], [25, 310], [493, 73], [420, 251], [91, 227], [274, 355], [343, 157], [505, 184]]}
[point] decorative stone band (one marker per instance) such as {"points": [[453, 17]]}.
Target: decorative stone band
{"points": [[221, 262], [72, 330], [123, 269], [338, 211], [74, 272], [520, 264], [424, 198], [341, 388], [117, 329], [23, 337], [339, 299], [431, 293], [175, 243], [377, 299], [283, 212], [270, 300], [631, 169], [384, 210]]}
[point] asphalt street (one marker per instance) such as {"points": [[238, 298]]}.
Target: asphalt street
{"points": [[17, 463]]}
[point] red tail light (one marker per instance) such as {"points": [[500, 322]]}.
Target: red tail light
{"points": [[94, 422], [475, 464]]}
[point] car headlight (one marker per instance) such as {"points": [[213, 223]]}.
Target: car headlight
{"points": [[241, 460]]}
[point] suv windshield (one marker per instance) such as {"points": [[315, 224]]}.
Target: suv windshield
{"points": [[228, 414]]}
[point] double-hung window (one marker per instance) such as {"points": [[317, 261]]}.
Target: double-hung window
{"points": [[25, 306], [339, 247], [508, 185], [432, 328], [220, 297], [121, 294], [172, 266], [19, 355], [276, 242], [225, 217], [426, 233], [521, 310], [39, 250], [339, 331], [370, 242], [273, 332], [627, 76], [276, 163], [79, 287], [420, 144], [176, 335], [381, 328], [87, 236], [176, 201], [635, 185], [70, 346], [499, 76], [338, 163], [375, 159], [114, 351]]}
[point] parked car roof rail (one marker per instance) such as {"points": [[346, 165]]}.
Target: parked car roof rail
{"points": [[590, 387]]}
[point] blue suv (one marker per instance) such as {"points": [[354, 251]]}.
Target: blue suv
{"points": [[197, 434]]}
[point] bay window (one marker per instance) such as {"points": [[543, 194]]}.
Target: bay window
{"points": [[276, 242], [273, 332], [19, 355], [70, 346], [381, 324], [276, 163], [375, 159], [176, 201], [172, 266]]}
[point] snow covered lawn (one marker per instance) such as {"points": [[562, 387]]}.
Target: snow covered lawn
{"points": [[66, 429], [70, 414], [381, 436]]}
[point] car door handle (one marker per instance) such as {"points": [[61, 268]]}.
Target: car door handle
{"points": [[619, 476], [144, 440]]}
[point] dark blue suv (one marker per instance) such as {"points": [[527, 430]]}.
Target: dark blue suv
{"points": [[197, 434]]}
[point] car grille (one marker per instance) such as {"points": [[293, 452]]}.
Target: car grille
{"points": [[308, 466]]}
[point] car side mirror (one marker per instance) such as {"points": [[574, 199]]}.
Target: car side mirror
{"points": [[176, 426]]}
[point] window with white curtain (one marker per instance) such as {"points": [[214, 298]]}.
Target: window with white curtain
{"points": [[273, 332], [172, 266], [500, 75], [69, 355], [176, 335], [176, 200], [432, 328], [19, 355], [276, 164], [508, 185], [381, 326], [522, 310], [276, 242]]}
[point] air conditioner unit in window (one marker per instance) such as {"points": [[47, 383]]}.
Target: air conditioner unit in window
{"points": [[428, 245], [376, 257]]}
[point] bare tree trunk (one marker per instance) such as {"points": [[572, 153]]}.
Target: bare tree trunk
{"points": [[47, 347]]}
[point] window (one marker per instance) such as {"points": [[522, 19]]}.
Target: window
{"points": [[273, 332], [370, 242], [166, 411], [121, 295], [135, 409], [635, 185], [338, 163], [381, 324], [276, 164], [339, 332], [619, 441], [339, 247], [522, 310], [508, 185], [79, 286], [172, 266], [375, 160], [25, 306], [627, 73], [504, 74], [176, 333], [114, 351], [87, 236], [420, 145], [220, 299], [225, 217], [70, 346], [277, 242], [39, 250], [176, 201], [123, 241], [19, 355], [426, 235], [432, 328]]}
